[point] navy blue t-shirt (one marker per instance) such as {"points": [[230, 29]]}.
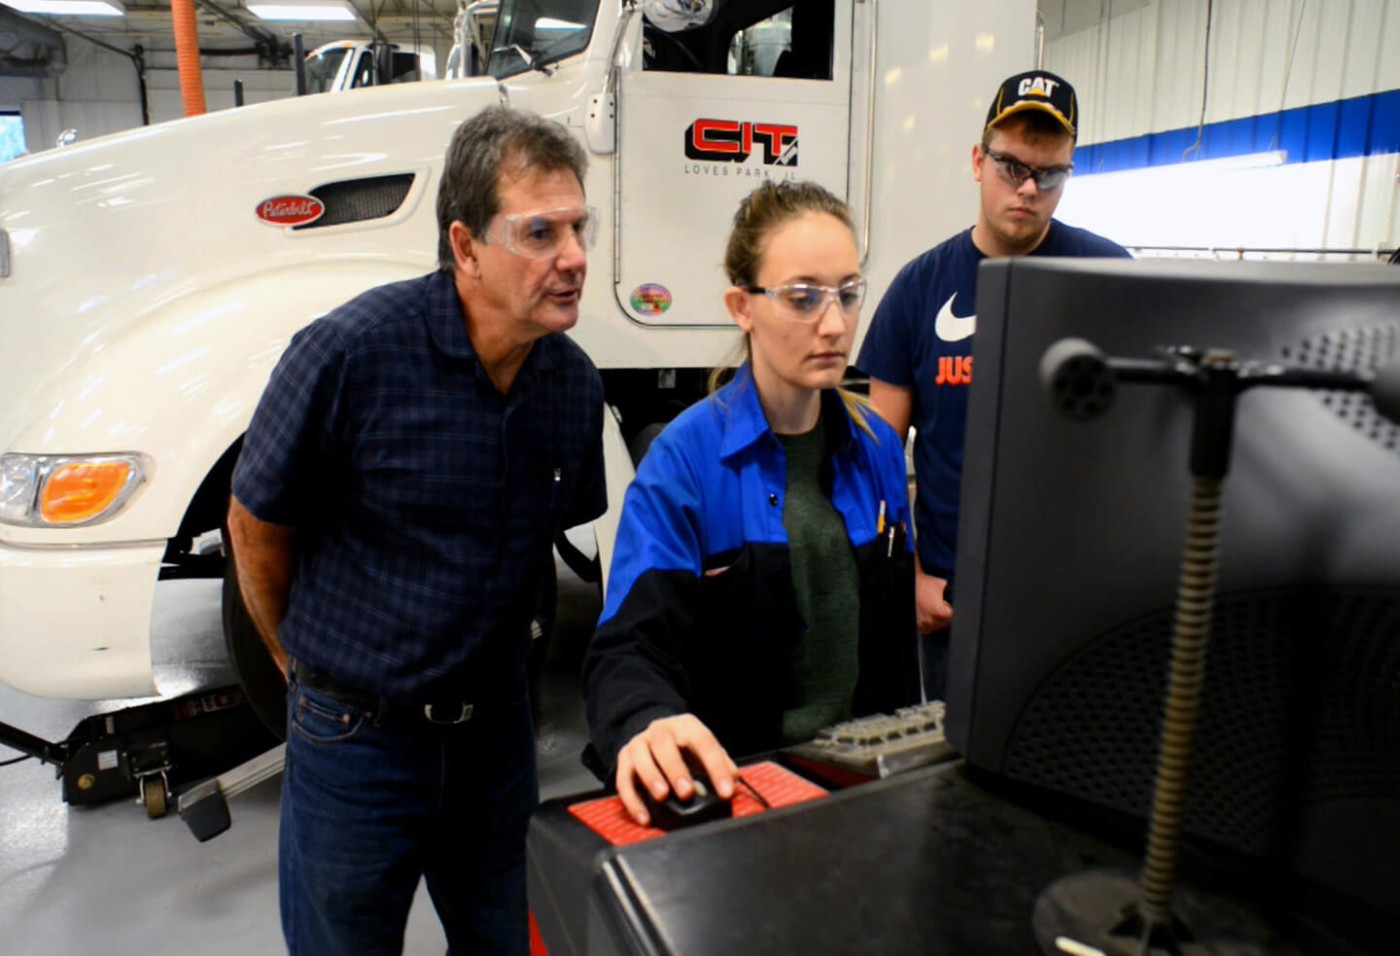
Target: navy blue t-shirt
{"points": [[921, 339]]}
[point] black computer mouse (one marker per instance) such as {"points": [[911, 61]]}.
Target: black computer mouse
{"points": [[672, 813]]}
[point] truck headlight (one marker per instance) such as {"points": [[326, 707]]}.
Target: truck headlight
{"points": [[67, 490]]}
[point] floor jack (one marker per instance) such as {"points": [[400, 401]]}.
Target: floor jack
{"points": [[150, 750], [204, 807]]}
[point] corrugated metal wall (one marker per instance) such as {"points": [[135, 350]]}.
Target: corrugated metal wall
{"points": [[1316, 79], [1143, 71]]}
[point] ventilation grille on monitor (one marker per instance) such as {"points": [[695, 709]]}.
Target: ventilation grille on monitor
{"points": [[356, 200], [1301, 706], [1353, 350]]}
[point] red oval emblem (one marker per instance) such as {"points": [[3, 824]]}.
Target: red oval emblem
{"points": [[291, 210]]}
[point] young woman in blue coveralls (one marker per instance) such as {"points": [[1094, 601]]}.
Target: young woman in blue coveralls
{"points": [[762, 582]]}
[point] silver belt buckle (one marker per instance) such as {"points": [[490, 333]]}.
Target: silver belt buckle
{"points": [[461, 718]]}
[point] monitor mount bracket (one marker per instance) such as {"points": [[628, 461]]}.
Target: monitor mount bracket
{"points": [[1101, 912]]}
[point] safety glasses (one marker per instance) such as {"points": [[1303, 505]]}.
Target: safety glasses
{"points": [[545, 234], [1016, 172], [804, 302]]}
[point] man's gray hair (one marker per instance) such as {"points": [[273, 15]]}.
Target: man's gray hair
{"points": [[481, 148]]}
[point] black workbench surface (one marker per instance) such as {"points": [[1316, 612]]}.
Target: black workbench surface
{"points": [[928, 862]]}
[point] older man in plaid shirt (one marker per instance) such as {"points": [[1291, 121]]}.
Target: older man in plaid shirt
{"points": [[400, 486]]}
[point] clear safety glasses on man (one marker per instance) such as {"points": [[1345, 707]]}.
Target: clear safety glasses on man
{"points": [[1016, 172], [807, 303], [545, 234]]}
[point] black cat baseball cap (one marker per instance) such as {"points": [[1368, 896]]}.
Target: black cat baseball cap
{"points": [[1036, 90]]}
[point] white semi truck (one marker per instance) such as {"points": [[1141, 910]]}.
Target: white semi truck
{"points": [[150, 280]]}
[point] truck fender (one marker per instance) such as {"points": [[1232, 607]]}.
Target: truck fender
{"points": [[181, 385]]}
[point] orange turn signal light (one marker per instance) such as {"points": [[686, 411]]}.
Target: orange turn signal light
{"points": [[82, 490]]}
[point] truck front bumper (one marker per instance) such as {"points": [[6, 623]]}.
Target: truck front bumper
{"points": [[75, 622]]}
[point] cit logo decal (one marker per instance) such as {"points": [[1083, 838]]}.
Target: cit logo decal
{"points": [[733, 141]]}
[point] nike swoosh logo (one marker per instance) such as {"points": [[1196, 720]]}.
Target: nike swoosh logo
{"points": [[952, 328]]}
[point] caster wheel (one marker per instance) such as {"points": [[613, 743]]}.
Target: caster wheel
{"points": [[153, 796]]}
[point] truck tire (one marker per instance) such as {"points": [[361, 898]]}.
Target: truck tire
{"points": [[257, 674]]}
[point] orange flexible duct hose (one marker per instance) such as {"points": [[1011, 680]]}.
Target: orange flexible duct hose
{"points": [[187, 56]]}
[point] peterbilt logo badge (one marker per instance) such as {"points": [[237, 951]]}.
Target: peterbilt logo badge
{"points": [[291, 210]]}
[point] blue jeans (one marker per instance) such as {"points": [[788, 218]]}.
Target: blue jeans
{"points": [[370, 805]]}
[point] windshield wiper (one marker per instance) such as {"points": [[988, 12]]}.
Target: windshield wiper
{"points": [[532, 59]]}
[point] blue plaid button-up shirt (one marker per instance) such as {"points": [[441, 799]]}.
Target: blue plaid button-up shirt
{"points": [[425, 501]]}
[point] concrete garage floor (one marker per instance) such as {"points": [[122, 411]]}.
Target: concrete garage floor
{"points": [[106, 879]]}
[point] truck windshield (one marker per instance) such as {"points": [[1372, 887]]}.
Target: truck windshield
{"points": [[321, 68], [532, 33]]}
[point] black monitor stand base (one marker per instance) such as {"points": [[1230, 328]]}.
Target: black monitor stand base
{"points": [[1096, 913]]}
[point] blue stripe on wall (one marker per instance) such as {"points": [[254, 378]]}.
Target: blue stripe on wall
{"points": [[1360, 126]]}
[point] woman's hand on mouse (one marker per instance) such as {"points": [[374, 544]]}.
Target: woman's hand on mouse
{"points": [[656, 759]]}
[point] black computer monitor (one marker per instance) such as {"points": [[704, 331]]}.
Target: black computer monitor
{"points": [[1072, 533]]}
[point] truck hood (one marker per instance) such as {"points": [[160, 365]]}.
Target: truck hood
{"points": [[107, 232]]}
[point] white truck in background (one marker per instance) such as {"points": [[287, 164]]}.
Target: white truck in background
{"points": [[343, 65], [472, 30], [150, 280], [353, 64]]}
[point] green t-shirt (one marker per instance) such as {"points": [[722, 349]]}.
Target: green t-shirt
{"points": [[827, 583]]}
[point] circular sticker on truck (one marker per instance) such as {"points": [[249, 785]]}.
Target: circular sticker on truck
{"points": [[290, 210], [651, 299]]}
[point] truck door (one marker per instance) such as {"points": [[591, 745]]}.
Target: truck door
{"points": [[761, 91]]}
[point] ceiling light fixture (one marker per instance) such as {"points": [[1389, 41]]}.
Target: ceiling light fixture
{"points": [[300, 10], [69, 8]]}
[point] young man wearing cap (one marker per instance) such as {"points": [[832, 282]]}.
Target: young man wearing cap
{"points": [[918, 352]]}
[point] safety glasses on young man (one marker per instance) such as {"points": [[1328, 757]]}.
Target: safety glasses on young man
{"points": [[804, 302], [545, 234], [1016, 172]]}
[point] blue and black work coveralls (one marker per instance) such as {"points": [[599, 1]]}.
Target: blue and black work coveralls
{"points": [[701, 616]]}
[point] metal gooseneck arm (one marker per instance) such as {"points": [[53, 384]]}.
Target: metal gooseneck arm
{"points": [[1082, 383]]}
